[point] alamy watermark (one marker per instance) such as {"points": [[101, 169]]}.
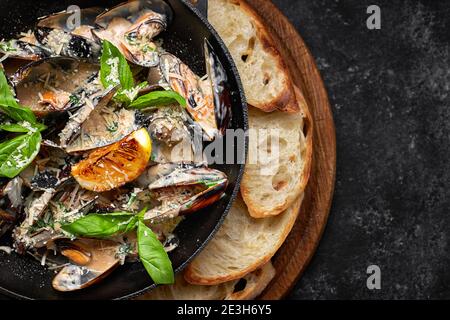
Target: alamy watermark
{"points": [[374, 280], [374, 20]]}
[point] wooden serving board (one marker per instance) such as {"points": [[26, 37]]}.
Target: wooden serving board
{"points": [[293, 257]]}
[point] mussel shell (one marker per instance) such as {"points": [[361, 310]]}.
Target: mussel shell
{"points": [[61, 20], [61, 76], [200, 100], [72, 130], [184, 189], [70, 45], [104, 127], [185, 175], [56, 33], [132, 26], [220, 88], [103, 261], [75, 251], [133, 10], [23, 50]]}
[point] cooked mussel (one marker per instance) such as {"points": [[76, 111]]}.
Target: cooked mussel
{"points": [[175, 137], [182, 189], [104, 258], [196, 91], [75, 251], [73, 128], [132, 26], [54, 84], [105, 125], [60, 34], [20, 49]]}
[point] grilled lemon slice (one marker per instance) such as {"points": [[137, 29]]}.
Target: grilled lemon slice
{"points": [[112, 166]]}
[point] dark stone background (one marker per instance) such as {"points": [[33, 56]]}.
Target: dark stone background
{"points": [[390, 94], [389, 90]]}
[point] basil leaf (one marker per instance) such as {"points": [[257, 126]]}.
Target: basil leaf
{"points": [[158, 98], [9, 105], [153, 256], [114, 68], [127, 96], [22, 127], [102, 225], [18, 153]]}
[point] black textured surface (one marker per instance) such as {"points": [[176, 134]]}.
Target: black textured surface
{"points": [[389, 91]]}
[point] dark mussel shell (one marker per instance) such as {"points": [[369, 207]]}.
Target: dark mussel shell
{"points": [[23, 50], [221, 91], [133, 10], [132, 26], [61, 82], [61, 34]]}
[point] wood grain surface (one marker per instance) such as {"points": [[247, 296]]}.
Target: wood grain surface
{"points": [[293, 257]]}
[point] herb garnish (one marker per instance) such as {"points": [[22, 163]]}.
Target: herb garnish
{"points": [[115, 71], [17, 153], [151, 252]]}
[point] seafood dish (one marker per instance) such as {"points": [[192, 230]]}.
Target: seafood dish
{"points": [[99, 124]]}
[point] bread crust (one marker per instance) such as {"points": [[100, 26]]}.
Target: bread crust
{"points": [[257, 281], [192, 277], [285, 101], [257, 211]]}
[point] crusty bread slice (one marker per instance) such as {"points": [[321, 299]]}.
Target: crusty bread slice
{"points": [[266, 80], [242, 245], [272, 183], [254, 283], [182, 290]]}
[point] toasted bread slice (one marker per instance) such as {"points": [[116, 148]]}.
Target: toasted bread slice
{"points": [[266, 80], [242, 245], [271, 183], [254, 283], [182, 290]]}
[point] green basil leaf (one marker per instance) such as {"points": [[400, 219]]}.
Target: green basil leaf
{"points": [[158, 98], [127, 96], [18, 153], [153, 256], [114, 68], [22, 127], [102, 225], [9, 105]]}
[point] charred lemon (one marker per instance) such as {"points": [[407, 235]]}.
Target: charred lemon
{"points": [[110, 167]]}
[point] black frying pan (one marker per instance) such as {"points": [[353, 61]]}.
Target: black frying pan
{"points": [[22, 276]]}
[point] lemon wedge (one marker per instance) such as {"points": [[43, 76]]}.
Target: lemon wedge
{"points": [[113, 166]]}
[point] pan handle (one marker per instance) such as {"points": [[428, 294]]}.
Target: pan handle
{"points": [[201, 6]]}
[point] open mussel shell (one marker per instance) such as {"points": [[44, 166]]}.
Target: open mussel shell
{"points": [[131, 27], [176, 175], [103, 259], [136, 12], [105, 126], [197, 92], [183, 189], [220, 90], [52, 84], [75, 251], [73, 129], [71, 21], [23, 50], [69, 34]]}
